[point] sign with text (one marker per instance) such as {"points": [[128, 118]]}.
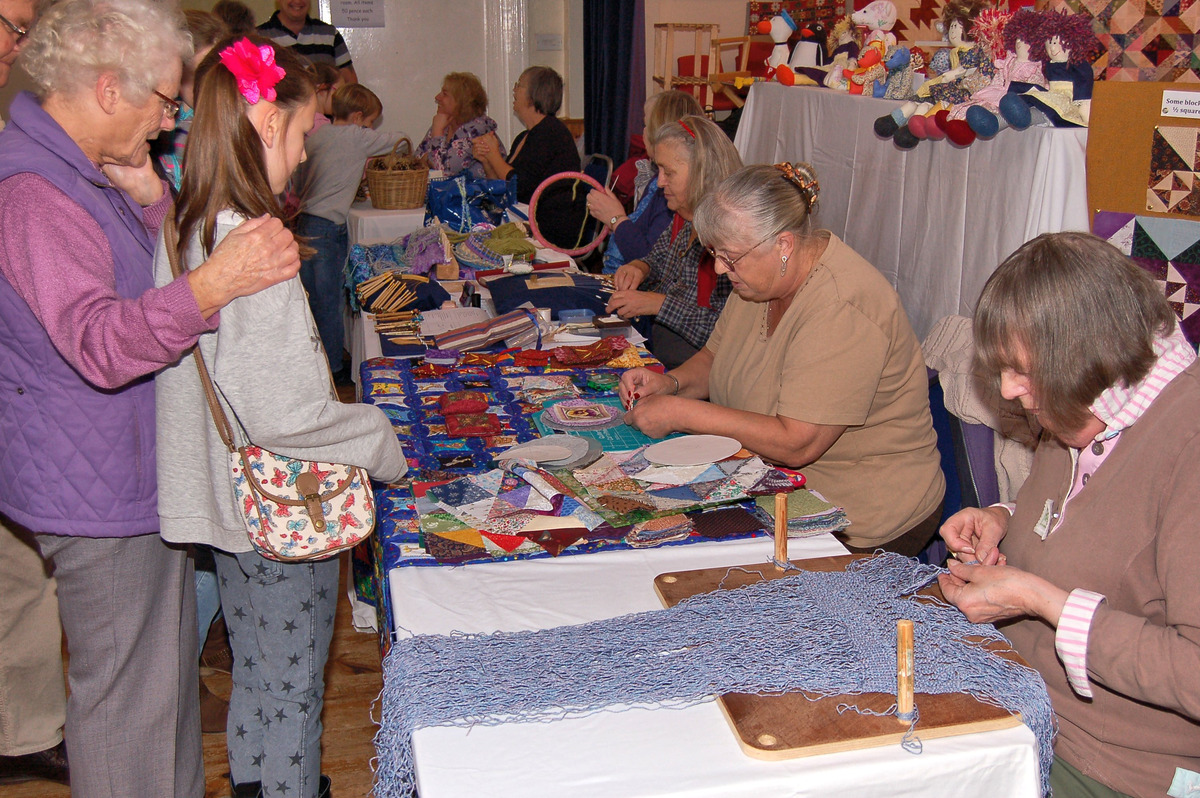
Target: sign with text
{"points": [[1181, 103], [357, 13]]}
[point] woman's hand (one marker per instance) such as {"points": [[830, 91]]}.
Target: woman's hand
{"points": [[657, 415], [257, 254], [139, 182], [991, 593], [604, 205], [972, 534], [639, 383], [441, 122], [631, 304], [484, 147], [630, 275]]}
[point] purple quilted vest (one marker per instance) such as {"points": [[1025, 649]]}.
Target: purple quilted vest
{"points": [[74, 459]]}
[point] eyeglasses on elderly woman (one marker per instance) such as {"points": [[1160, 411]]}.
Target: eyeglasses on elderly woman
{"points": [[16, 30], [170, 107], [732, 262]]}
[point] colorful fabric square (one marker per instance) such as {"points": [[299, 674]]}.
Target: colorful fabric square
{"points": [[531, 358], [459, 493], [452, 551], [591, 355], [1174, 162], [456, 402], [1167, 248], [726, 522], [581, 414], [475, 425]]}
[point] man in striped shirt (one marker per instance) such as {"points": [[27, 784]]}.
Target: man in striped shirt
{"points": [[318, 41]]}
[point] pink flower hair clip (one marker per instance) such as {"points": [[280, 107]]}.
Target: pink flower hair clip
{"points": [[254, 69]]}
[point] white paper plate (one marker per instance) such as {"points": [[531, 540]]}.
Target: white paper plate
{"points": [[692, 450]]}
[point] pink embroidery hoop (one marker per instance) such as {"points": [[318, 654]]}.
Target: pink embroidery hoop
{"points": [[537, 233]]}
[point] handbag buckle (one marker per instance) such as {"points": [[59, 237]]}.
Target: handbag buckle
{"points": [[310, 489]]}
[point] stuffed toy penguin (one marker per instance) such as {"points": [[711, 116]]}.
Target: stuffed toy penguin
{"points": [[780, 28]]}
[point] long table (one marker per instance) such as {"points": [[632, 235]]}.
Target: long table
{"points": [[655, 752], [936, 220]]}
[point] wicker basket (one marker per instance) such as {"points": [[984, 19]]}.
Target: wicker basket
{"points": [[397, 181]]}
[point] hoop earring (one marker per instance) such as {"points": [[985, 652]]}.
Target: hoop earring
{"points": [[782, 265]]}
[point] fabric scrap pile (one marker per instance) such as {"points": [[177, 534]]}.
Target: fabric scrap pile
{"points": [[826, 634], [809, 513]]}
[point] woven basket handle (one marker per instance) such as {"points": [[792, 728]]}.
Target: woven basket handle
{"points": [[402, 140], [171, 242]]}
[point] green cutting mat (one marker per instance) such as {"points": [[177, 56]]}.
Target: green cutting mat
{"points": [[620, 438]]}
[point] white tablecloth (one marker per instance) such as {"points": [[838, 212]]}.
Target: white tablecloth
{"points": [[936, 220], [690, 752], [368, 225]]}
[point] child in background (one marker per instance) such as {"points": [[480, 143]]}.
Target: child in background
{"points": [[254, 104], [329, 80], [328, 180]]}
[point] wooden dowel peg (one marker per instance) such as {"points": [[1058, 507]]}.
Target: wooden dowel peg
{"points": [[781, 530], [904, 671]]}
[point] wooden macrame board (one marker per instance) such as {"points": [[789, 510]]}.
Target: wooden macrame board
{"points": [[792, 725]]}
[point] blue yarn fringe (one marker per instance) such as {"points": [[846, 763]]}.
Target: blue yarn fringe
{"points": [[827, 634]]}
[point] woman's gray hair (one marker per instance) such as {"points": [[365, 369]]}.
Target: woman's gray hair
{"points": [[711, 155], [545, 89], [757, 202], [78, 40], [1075, 315]]}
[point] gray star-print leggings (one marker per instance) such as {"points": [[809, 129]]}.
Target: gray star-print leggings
{"points": [[280, 620]]}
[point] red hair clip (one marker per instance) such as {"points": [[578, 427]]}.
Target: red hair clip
{"points": [[683, 125]]}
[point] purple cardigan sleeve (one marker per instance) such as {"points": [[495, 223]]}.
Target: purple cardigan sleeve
{"points": [[636, 237], [58, 260]]}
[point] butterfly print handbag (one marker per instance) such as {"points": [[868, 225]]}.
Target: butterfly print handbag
{"points": [[294, 510]]}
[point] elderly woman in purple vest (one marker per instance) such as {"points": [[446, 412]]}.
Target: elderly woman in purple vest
{"points": [[81, 329]]}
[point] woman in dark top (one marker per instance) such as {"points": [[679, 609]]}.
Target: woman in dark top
{"points": [[543, 149]]}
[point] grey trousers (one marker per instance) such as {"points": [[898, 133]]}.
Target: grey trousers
{"points": [[280, 621], [128, 606], [33, 696]]}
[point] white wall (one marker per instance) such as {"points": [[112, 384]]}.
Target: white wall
{"points": [[729, 14], [404, 62]]}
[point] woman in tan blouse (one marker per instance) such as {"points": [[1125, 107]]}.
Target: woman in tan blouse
{"points": [[813, 363]]}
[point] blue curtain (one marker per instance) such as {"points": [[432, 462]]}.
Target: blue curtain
{"points": [[613, 63]]}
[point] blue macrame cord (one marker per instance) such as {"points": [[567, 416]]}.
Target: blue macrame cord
{"points": [[827, 634]]}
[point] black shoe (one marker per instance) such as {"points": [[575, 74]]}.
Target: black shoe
{"points": [[48, 765], [251, 789], [342, 376], [323, 791]]}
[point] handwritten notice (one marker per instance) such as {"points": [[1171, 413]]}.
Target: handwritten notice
{"points": [[357, 13], [1181, 103]]}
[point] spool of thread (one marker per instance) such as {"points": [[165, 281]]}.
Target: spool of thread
{"points": [[904, 671]]}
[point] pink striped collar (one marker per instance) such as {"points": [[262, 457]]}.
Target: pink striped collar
{"points": [[1120, 407]]}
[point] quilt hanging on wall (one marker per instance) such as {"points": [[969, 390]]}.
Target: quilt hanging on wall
{"points": [[1147, 40], [1167, 248]]}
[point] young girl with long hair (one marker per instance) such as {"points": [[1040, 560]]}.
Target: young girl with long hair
{"points": [[254, 104]]}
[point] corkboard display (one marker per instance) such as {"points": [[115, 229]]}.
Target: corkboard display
{"points": [[1138, 161]]}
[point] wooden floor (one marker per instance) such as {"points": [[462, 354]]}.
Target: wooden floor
{"points": [[353, 680]]}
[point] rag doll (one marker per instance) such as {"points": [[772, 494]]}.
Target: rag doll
{"points": [[1018, 69], [1071, 46], [957, 70]]}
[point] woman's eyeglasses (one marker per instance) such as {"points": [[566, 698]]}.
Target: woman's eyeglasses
{"points": [[732, 262], [170, 106], [16, 30]]}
